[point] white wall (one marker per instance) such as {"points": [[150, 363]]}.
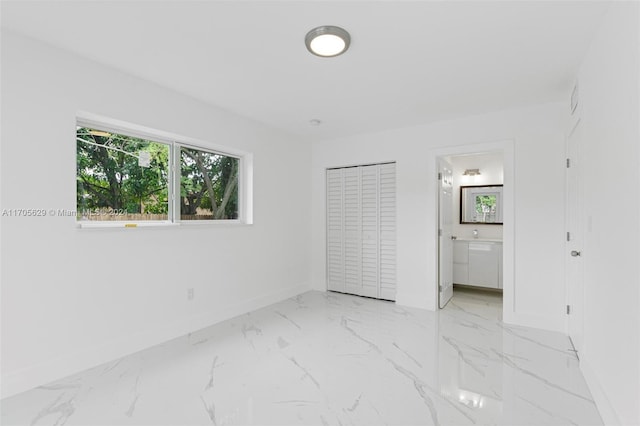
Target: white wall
{"points": [[537, 135], [73, 298], [491, 173], [608, 87]]}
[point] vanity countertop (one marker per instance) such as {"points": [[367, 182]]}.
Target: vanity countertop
{"points": [[479, 240]]}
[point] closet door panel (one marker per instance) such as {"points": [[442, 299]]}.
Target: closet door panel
{"points": [[387, 194], [370, 231], [335, 241], [352, 231]]}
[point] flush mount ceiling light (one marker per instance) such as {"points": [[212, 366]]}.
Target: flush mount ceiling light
{"points": [[471, 172], [327, 41]]}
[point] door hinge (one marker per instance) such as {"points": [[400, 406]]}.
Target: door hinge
{"points": [[568, 309], [439, 232], [439, 176], [568, 236], [568, 162]]}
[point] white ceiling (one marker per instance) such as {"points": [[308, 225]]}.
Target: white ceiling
{"points": [[410, 62]]}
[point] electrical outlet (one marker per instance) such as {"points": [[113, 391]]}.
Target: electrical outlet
{"points": [[190, 293]]}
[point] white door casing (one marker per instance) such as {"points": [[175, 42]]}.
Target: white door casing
{"points": [[575, 239]]}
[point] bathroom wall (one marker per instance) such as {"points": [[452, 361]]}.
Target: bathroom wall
{"points": [[491, 173]]}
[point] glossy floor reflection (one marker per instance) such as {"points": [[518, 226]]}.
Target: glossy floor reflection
{"points": [[331, 359]]}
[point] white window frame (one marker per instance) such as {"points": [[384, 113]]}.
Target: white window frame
{"points": [[175, 142]]}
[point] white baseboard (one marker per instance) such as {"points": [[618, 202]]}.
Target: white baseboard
{"points": [[607, 412], [551, 323], [413, 300], [46, 372]]}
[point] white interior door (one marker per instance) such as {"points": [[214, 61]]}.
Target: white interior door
{"points": [[575, 235], [445, 225]]}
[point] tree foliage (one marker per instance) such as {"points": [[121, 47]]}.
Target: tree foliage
{"points": [[208, 182], [110, 177], [486, 203]]}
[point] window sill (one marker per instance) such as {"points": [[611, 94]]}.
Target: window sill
{"points": [[213, 223], [153, 224], [122, 225]]}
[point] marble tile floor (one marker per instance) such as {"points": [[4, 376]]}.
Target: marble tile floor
{"points": [[331, 359]]}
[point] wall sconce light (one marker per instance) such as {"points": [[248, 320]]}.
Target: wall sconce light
{"points": [[471, 172]]}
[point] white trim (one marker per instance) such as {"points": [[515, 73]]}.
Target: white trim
{"points": [[576, 119], [245, 190], [545, 322], [155, 224], [606, 410], [219, 222], [123, 224]]}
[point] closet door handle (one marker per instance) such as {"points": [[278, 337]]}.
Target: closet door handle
{"points": [[575, 253]]}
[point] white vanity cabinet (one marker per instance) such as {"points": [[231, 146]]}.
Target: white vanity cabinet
{"points": [[477, 263], [460, 262]]}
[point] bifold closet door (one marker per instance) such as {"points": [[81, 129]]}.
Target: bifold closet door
{"points": [[361, 230]]}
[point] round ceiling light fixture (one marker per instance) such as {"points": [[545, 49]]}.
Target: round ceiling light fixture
{"points": [[327, 41]]}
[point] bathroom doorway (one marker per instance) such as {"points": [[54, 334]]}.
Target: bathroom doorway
{"points": [[471, 223]]}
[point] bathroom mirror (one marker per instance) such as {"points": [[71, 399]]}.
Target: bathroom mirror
{"points": [[481, 204]]}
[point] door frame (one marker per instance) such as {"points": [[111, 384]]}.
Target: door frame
{"points": [[575, 300], [508, 231]]}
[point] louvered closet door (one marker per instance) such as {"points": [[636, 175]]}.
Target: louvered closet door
{"points": [[361, 230], [387, 196], [351, 226], [370, 232], [335, 254]]}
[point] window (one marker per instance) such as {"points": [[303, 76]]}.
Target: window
{"points": [[121, 177], [208, 185], [127, 178], [485, 207], [481, 204]]}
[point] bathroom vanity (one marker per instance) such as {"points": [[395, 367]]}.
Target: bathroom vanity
{"points": [[477, 262]]}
